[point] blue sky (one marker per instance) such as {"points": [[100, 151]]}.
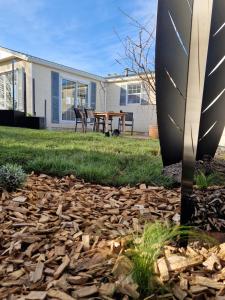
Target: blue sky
{"points": [[78, 33]]}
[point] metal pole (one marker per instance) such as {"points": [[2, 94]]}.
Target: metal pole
{"points": [[201, 21]]}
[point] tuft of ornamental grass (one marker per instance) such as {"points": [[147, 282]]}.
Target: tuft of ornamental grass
{"points": [[203, 182], [150, 246]]}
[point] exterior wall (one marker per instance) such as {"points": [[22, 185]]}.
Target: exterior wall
{"points": [[144, 115], [42, 76], [6, 66]]}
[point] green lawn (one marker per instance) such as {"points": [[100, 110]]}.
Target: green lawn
{"points": [[92, 156]]}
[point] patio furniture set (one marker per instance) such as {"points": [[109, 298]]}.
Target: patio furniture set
{"points": [[103, 121]]}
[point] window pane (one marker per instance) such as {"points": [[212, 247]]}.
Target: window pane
{"points": [[82, 95], [134, 88], [131, 99], [68, 99]]}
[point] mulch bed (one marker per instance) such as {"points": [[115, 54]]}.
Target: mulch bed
{"points": [[209, 209], [60, 238], [216, 165]]}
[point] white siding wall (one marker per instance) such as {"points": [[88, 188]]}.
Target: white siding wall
{"points": [[144, 115], [42, 76]]}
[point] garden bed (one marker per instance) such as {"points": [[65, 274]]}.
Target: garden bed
{"points": [[61, 238]]}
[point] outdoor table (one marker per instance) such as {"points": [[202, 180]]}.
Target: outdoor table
{"points": [[109, 115]]}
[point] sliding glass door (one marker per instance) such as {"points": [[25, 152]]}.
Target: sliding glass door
{"points": [[68, 100], [74, 94]]}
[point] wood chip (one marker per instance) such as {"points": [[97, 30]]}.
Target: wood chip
{"points": [[179, 293], [60, 250], [107, 289], [36, 295], [176, 262], [78, 279], [59, 210], [59, 295], [20, 199], [61, 268], [86, 242], [184, 283], [212, 263], [208, 282], [86, 291], [18, 273], [38, 272], [163, 269], [196, 289]]}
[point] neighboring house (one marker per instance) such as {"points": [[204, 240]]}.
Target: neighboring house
{"points": [[47, 89]]}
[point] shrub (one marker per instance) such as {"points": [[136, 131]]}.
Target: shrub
{"points": [[12, 176]]}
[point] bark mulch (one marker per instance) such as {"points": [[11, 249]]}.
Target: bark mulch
{"points": [[63, 239]]}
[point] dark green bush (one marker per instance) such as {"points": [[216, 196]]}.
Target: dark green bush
{"points": [[12, 177]]}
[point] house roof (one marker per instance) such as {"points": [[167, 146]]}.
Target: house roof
{"points": [[41, 61]]}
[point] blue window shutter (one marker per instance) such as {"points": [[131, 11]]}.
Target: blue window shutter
{"points": [[93, 95], [55, 97], [123, 95]]}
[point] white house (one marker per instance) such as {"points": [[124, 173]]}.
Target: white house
{"points": [[45, 88]]}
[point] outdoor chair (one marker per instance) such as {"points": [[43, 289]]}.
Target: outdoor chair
{"points": [[110, 123], [129, 121], [80, 119], [90, 118], [100, 122]]}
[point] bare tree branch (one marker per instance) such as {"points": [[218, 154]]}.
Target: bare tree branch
{"points": [[138, 52]]}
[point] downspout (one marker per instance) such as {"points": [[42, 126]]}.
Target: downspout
{"points": [[104, 90]]}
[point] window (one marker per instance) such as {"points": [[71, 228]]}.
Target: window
{"points": [[6, 91], [134, 93], [82, 95], [68, 100]]}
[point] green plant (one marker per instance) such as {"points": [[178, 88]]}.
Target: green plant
{"points": [[149, 247], [203, 181], [11, 177]]}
